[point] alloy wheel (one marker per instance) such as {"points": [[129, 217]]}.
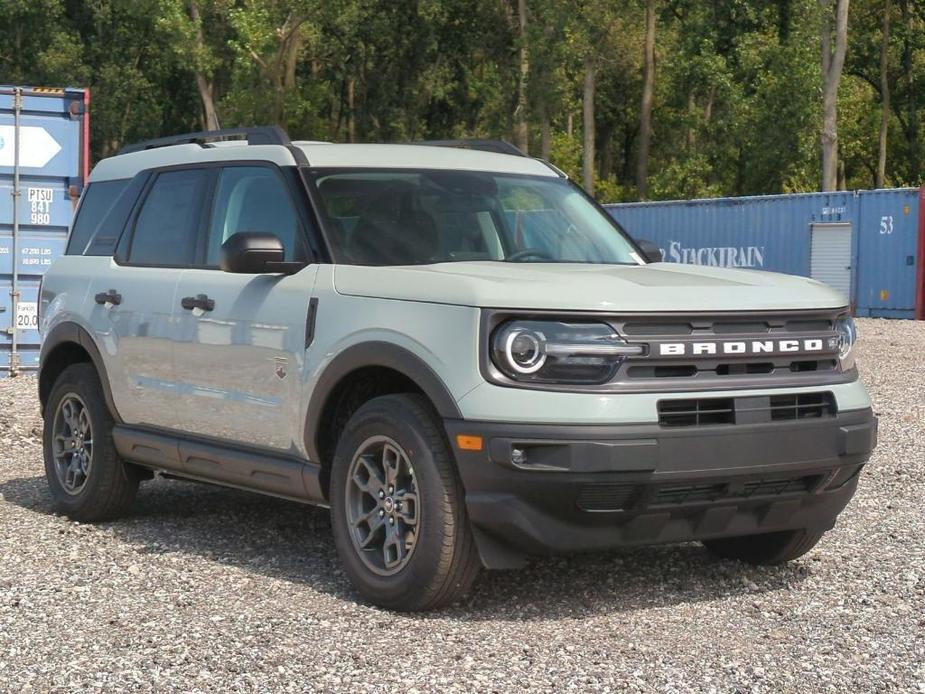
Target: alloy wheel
{"points": [[72, 443], [382, 505]]}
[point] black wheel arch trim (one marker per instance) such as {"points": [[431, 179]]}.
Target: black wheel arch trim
{"points": [[70, 332], [375, 354]]}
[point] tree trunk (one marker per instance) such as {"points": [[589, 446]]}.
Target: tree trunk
{"points": [[912, 124], [521, 131], [884, 93], [691, 108], [587, 114], [351, 113], [832, 63], [645, 110], [203, 85], [570, 125]]}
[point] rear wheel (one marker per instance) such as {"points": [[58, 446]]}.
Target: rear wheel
{"points": [[87, 480], [397, 507], [770, 548]]}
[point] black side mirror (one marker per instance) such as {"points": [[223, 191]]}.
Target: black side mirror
{"points": [[255, 252], [650, 252]]}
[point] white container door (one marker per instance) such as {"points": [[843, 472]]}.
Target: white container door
{"points": [[830, 259]]}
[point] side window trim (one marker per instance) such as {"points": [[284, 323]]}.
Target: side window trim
{"points": [[124, 248]]}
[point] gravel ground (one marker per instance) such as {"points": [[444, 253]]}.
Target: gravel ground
{"points": [[205, 589]]}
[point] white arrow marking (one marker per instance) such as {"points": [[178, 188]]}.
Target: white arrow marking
{"points": [[36, 150]]}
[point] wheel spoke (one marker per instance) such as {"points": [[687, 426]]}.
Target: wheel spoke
{"points": [[391, 462], [62, 444], [373, 482], [70, 416], [374, 526], [83, 423], [393, 549], [406, 507]]}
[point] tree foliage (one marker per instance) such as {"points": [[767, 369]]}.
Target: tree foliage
{"points": [[737, 106]]}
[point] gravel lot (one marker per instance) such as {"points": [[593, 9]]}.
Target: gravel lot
{"points": [[205, 589]]}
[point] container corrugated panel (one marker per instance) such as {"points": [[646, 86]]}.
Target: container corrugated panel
{"points": [[775, 233], [53, 165], [890, 231]]}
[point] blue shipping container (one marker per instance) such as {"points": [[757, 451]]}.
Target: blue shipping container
{"points": [[44, 161], [868, 244]]}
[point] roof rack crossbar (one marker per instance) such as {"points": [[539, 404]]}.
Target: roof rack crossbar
{"points": [[482, 145], [265, 135]]}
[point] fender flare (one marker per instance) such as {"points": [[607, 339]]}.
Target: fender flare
{"points": [[69, 332], [375, 353]]}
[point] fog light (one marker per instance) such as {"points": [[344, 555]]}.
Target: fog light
{"points": [[518, 456]]}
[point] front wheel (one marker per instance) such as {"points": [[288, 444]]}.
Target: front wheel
{"points": [[397, 507], [767, 549]]}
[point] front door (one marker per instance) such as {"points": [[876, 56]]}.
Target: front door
{"points": [[239, 356], [830, 260]]}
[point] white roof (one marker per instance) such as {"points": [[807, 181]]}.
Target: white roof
{"points": [[322, 155]]}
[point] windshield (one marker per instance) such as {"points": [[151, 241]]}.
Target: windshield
{"points": [[402, 217]]}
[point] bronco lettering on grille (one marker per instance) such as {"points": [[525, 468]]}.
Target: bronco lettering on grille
{"points": [[747, 347]]}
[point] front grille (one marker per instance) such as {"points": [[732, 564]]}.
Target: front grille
{"points": [[629, 497], [714, 368], [801, 406], [777, 487], [695, 412], [606, 497], [689, 493]]}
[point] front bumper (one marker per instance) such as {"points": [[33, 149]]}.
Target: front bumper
{"points": [[584, 488]]}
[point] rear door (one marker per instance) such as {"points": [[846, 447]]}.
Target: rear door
{"points": [[830, 259], [133, 297], [239, 362]]}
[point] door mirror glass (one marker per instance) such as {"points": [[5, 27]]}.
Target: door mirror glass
{"points": [[650, 252], [255, 252]]}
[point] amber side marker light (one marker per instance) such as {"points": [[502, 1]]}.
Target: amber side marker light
{"points": [[469, 443]]}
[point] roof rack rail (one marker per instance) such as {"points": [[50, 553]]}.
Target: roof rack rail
{"points": [[482, 145], [264, 135]]}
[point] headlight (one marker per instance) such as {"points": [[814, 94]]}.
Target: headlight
{"points": [[558, 352], [847, 338]]}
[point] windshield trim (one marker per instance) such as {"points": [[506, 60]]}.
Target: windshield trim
{"points": [[310, 175]]}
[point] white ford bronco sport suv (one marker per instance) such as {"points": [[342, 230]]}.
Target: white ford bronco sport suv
{"points": [[453, 347]]}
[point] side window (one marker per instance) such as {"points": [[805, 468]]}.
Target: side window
{"points": [[252, 198], [98, 200], [168, 224]]}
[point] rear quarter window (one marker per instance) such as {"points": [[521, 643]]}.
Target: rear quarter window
{"points": [[96, 204]]}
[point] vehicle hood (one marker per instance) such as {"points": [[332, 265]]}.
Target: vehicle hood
{"points": [[656, 287]]}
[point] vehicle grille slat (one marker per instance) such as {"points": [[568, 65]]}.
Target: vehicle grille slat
{"points": [[713, 411]]}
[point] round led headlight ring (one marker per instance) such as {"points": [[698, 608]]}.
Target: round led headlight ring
{"points": [[525, 351]]}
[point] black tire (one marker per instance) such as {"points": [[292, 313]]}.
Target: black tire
{"points": [[768, 549], [109, 485], [444, 561]]}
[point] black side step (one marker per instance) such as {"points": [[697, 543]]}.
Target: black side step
{"points": [[266, 473]]}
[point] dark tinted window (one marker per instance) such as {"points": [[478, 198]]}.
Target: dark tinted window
{"points": [[98, 200], [252, 198], [168, 224], [409, 217]]}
